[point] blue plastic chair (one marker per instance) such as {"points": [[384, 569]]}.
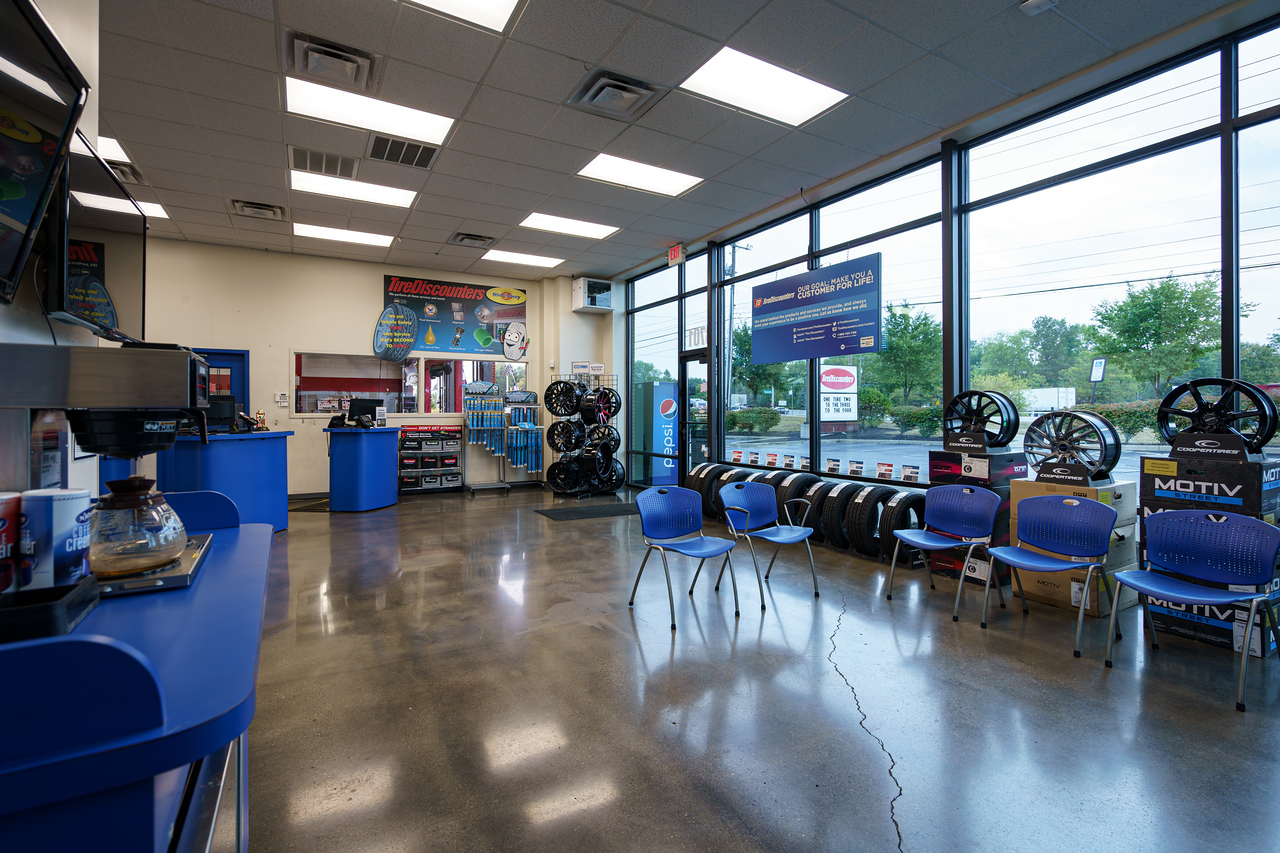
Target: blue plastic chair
{"points": [[756, 506], [1072, 527], [668, 513], [961, 515], [1227, 549], [204, 510]]}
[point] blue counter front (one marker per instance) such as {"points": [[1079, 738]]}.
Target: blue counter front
{"points": [[250, 468], [362, 468]]}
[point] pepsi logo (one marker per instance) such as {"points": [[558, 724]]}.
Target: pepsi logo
{"points": [[667, 408], [1204, 442]]}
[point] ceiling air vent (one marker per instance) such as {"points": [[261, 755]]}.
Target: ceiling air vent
{"points": [[328, 62], [471, 241], [615, 96], [322, 163], [127, 173], [256, 210], [400, 151]]}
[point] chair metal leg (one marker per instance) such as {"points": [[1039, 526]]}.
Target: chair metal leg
{"points": [[1244, 653], [1084, 598], [1111, 597], [1151, 625], [928, 567], [695, 575], [986, 596], [242, 792], [955, 614], [893, 564], [729, 562], [812, 570], [636, 585], [670, 598], [776, 549], [1111, 628], [1018, 579]]}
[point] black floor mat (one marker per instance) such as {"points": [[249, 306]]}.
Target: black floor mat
{"points": [[577, 513], [321, 505]]}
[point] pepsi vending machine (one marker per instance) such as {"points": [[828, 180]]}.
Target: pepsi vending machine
{"points": [[657, 419]]}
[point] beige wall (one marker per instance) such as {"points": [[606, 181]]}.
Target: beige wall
{"points": [[275, 304]]}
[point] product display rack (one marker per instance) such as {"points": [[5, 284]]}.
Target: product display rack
{"points": [[585, 405], [506, 426], [431, 458]]}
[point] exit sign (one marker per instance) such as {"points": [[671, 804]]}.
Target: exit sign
{"points": [[675, 255]]}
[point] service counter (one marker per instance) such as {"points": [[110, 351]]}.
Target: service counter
{"points": [[362, 468], [251, 468], [103, 726]]}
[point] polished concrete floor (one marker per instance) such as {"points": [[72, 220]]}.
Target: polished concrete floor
{"points": [[463, 674]]}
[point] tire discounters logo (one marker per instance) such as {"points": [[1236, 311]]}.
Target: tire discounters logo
{"points": [[839, 379]]}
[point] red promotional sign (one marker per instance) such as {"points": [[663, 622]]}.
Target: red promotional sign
{"points": [[838, 379]]}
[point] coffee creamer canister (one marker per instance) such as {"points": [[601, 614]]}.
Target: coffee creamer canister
{"points": [[55, 537]]}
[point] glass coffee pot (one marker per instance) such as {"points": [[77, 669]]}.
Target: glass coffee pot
{"points": [[133, 529]]}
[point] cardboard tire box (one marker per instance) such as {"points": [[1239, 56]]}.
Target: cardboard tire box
{"points": [[1063, 589], [948, 563]]}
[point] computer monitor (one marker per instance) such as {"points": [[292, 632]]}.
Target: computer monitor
{"points": [[364, 406], [221, 413]]}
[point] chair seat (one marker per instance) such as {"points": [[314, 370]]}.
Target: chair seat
{"points": [[1184, 592], [927, 540], [701, 547], [1030, 561], [782, 534]]}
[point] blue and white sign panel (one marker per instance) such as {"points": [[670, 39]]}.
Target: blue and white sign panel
{"points": [[831, 311], [664, 433]]}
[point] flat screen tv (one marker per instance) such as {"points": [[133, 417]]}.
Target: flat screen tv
{"points": [[363, 406], [42, 95]]}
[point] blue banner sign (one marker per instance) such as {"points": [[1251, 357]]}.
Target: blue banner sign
{"points": [[664, 418], [831, 311]]}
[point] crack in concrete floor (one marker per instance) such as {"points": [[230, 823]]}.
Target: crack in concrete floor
{"points": [[844, 607]]}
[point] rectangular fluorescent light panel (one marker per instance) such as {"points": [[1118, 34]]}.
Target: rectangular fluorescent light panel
{"points": [[309, 182], [493, 14], [108, 149], [341, 235], [327, 104], [574, 227], [640, 176], [120, 205], [755, 85], [519, 258], [29, 80]]}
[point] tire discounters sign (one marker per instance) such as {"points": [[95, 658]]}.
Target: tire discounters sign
{"points": [[839, 387], [827, 312], [458, 318]]}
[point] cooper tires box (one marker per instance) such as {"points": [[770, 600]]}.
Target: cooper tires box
{"points": [[1121, 496], [977, 469], [1250, 488]]}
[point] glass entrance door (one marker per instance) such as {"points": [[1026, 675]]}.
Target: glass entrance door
{"points": [[693, 413]]}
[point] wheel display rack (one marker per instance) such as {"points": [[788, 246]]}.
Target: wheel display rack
{"points": [[506, 426], [584, 436]]}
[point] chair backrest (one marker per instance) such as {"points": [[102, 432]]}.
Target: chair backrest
{"points": [[204, 510], [965, 511], [759, 501], [1073, 527], [669, 512], [1214, 547]]}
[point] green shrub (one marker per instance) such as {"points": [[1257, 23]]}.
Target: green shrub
{"points": [[1129, 419], [873, 408], [751, 421], [927, 420]]}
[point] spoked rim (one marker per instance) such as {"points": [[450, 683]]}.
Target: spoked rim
{"points": [[1079, 438], [1232, 408], [561, 398], [607, 433], [563, 476], [599, 406], [990, 412], [565, 436], [617, 476]]}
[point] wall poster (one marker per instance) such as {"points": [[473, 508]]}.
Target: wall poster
{"points": [[451, 317], [824, 312]]}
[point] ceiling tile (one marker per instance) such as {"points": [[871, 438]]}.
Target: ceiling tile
{"points": [[131, 129], [962, 106], [684, 115], [375, 226], [266, 152], [362, 24], [393, 175], [841, 163], [479, 226], [793, 33], [424, 89], [920, 85], [425, 247], [196, 230], [535, 72], [575, 209], [702, 160], [310, 203], [323, 136], [930, 24], [1129, 25], [428, 235], [583, 189], [465, 165], [583, 29], [197, 200], [206, 29], [238, 118], [745, 134], [306, 216], [798, 150], [455, 187], [255, 192], [584, 130], [143, 99], [198, 217], [1008, 38], [555, 156], [697, 214], [263, 239], [420, 218], [895, 137], [408, 258], [470, 209], [257, 8], [121, 56], [646, 146], [149, 157], [753, 174], [659, 53], [444, 45], [448, 264], [509, 111], [637, 201], [230, 81], [714, 193], [263, 228], [851, 121], [718, 19], [530, 178], [754, 202], [866, 57], [1066, 57], [790, 184], [378, 212], [487, 141], [513, 244], [130, 18]]}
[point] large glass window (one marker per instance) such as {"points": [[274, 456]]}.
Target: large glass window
{"points": [[1259, 59], [773, 245], [904, 199], [1160, 107], [656, 286], [1260, 257], [1123, 264], [326, 384], [655, 372]]}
